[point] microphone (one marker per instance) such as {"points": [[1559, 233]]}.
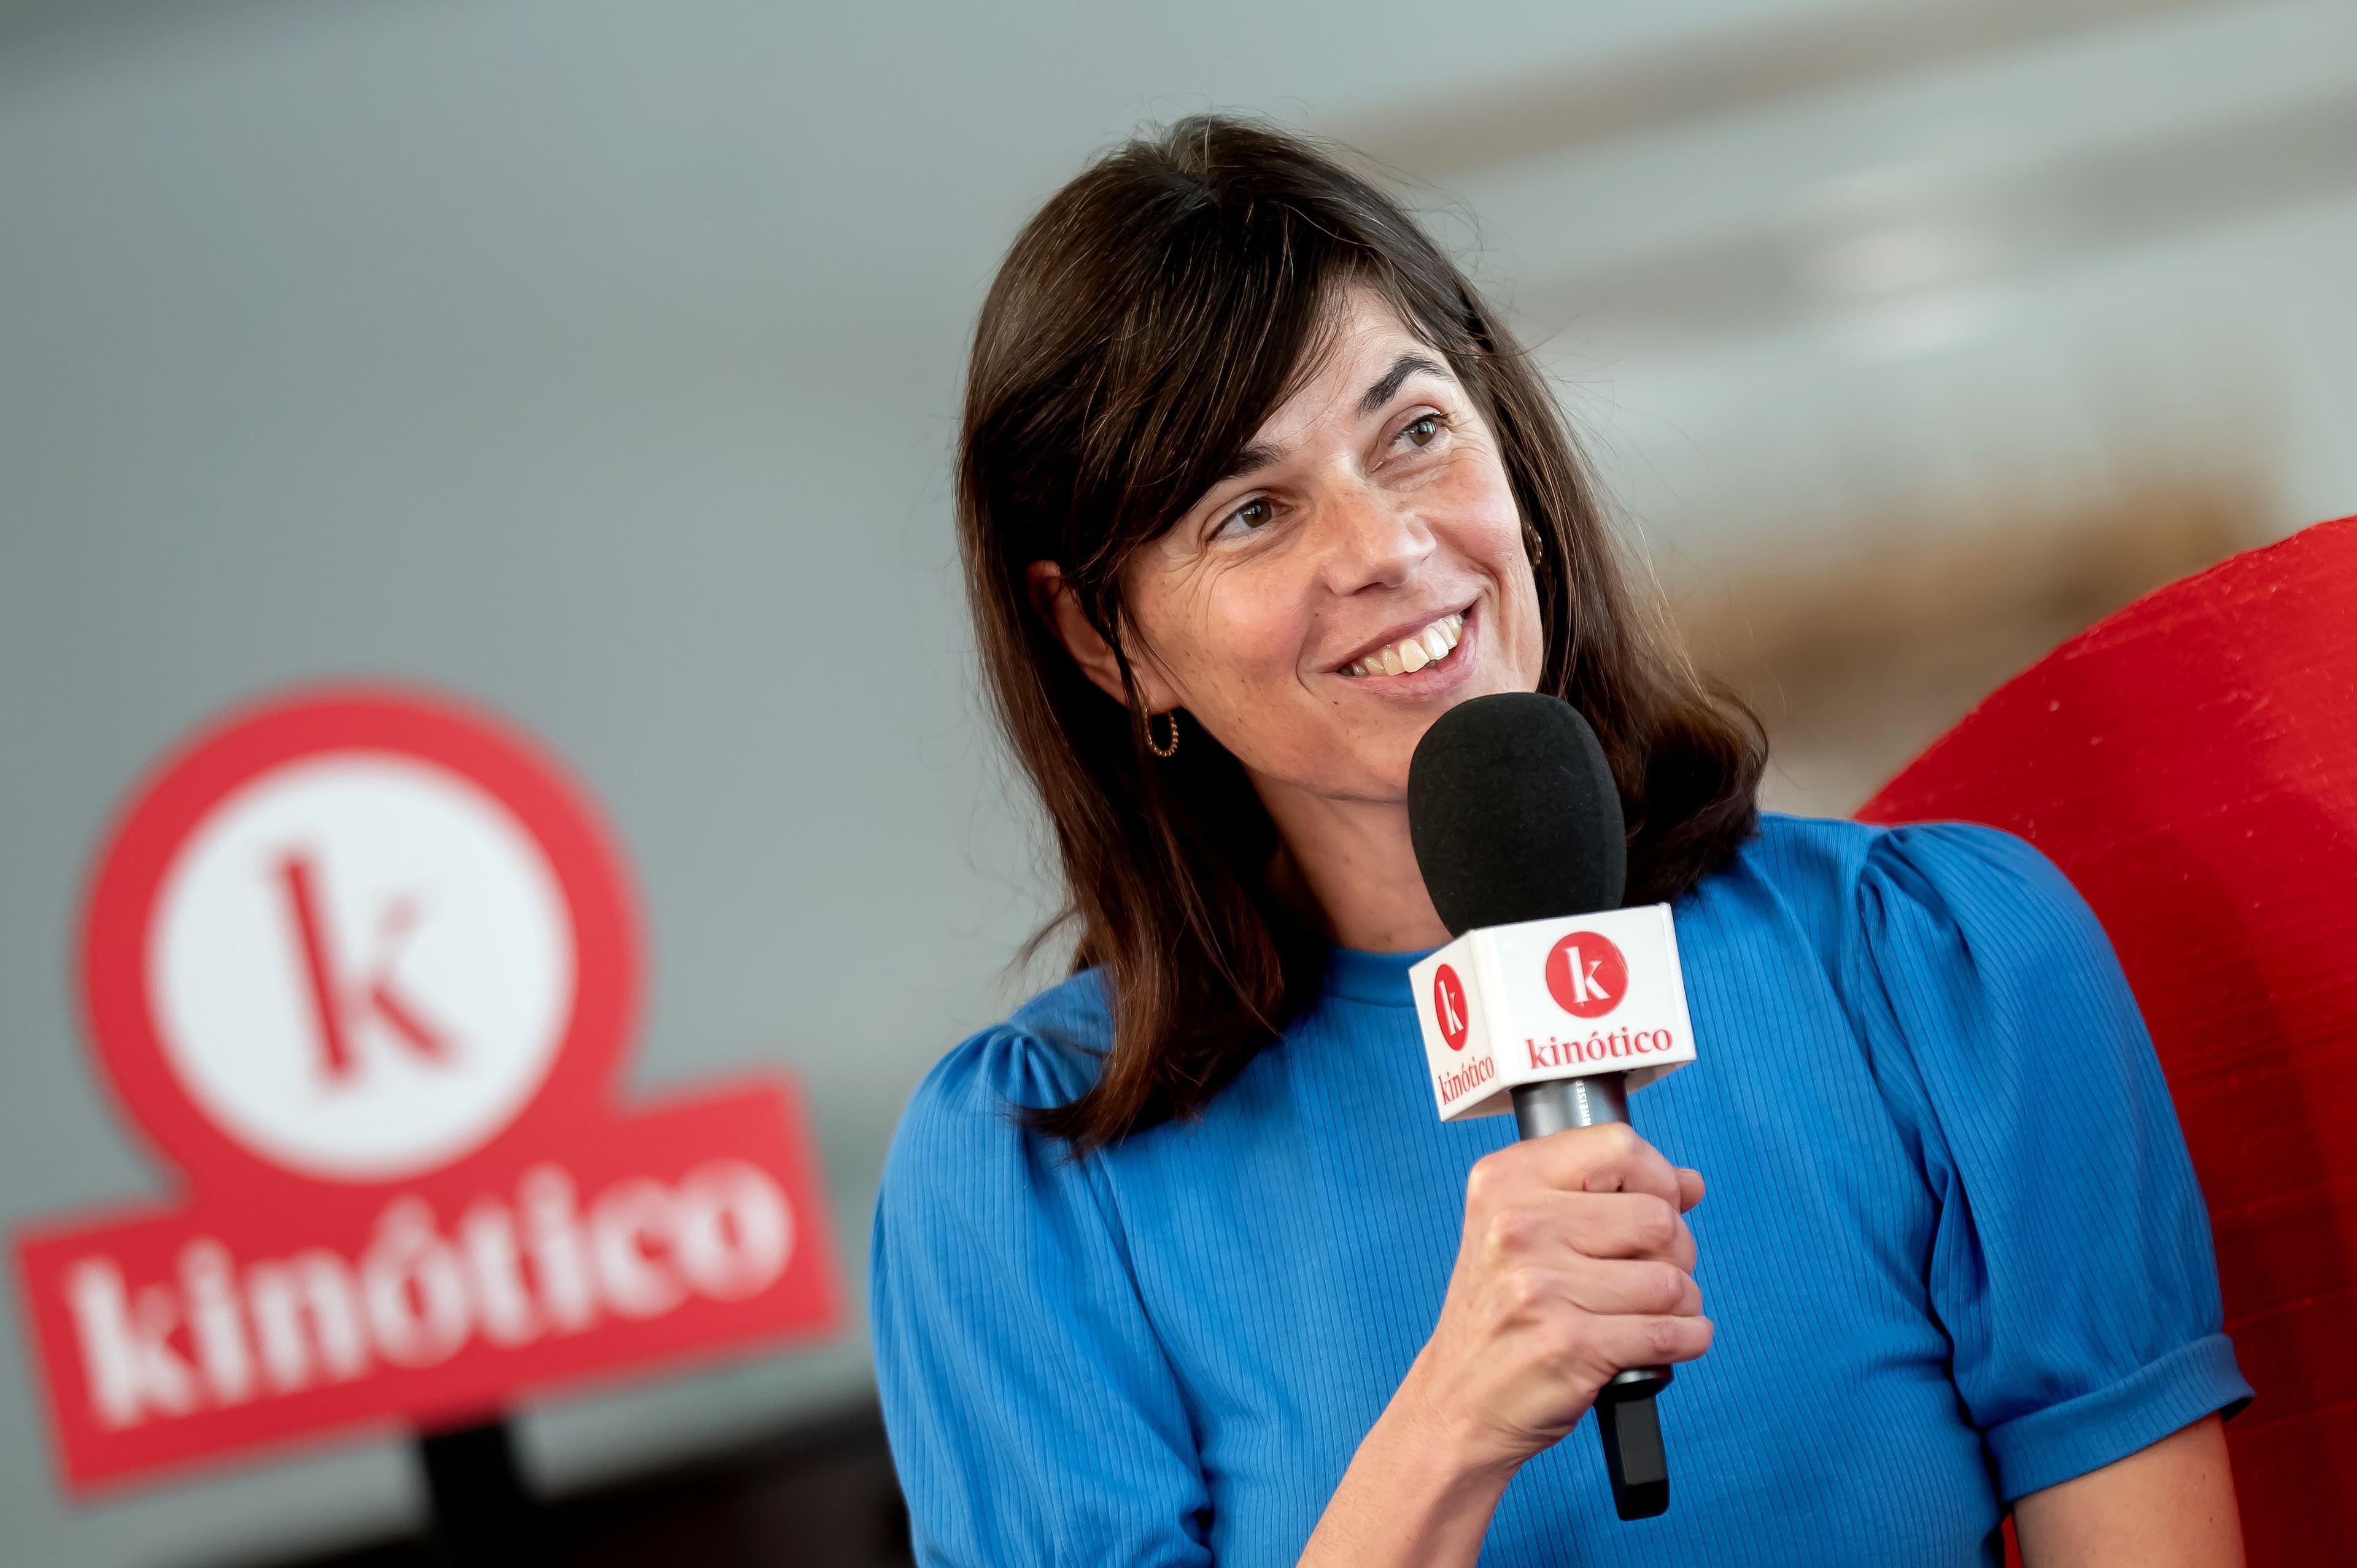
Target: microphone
{"points": [[1552, 998]]}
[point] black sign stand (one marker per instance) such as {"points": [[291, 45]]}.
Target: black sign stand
{"points": [[483, 1514]]}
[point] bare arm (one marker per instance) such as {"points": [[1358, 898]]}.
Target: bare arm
{"points": [[2169, 1505], [1575, 1264], [1408, 1500]]}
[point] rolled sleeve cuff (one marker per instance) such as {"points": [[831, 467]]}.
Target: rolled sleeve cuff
{"points": [[2052, 1446]]}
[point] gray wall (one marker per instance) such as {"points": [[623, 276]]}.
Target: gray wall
{"points": [[601, 361]]}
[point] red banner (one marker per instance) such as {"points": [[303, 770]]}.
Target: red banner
{"points": [[363, 964]]}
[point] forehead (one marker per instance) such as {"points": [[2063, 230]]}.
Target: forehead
{"points": [[1361, 340]]}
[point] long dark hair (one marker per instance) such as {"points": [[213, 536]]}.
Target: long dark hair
{"points": [[1144, 326]]}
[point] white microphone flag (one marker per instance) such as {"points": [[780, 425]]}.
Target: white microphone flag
{"points": [[1565, 997]]}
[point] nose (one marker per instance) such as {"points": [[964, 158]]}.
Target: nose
{"points": [[1372, 540]]}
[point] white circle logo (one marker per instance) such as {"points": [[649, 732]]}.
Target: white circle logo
{"points": [[360, 965]]}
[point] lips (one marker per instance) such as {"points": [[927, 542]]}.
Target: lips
{"points": [[1428, 644]]}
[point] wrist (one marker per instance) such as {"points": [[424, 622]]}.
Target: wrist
{"points": [[1420, 1490], [1448, 1440]]}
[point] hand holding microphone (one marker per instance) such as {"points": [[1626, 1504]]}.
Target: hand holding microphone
{"points": [[1575, 1265], [1558, 1002]]}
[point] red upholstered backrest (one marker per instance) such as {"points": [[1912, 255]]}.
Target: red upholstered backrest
{"points": [[2191, 765]]}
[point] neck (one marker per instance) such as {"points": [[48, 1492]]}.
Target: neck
{"points": [[1357, 861]]}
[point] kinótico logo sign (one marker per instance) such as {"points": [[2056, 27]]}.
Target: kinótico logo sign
{"points": [[363, 964]]}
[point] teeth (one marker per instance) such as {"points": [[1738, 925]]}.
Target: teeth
{"points": [[1409, 654]]}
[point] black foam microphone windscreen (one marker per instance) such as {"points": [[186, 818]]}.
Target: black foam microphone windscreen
{"points": [[1513, 814]]}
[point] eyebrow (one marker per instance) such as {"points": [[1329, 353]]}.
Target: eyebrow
{"points": [[1253, 458], [1251, 461], [1402, 368]]}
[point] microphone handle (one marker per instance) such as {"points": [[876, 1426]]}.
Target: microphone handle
{"points": [[1626, 1422]]}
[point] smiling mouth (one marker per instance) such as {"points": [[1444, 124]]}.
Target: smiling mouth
{"points": [[1412, 653]]}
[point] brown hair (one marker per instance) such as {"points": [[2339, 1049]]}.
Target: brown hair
{"points": [[1146, 323]]}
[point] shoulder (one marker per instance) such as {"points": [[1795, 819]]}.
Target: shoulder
{"points": [[1941, 934], [1871, 900], [966, 1112], [1046, 1052], [1959, 868], [1837, 850], [1970, 889]]}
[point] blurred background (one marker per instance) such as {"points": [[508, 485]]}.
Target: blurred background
{"points": [[599, 361]]}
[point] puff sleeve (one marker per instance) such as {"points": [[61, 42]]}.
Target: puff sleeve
{"points": [[1033, 1416], [2071, 1263]]}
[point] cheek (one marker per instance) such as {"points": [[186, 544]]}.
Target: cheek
{"points": [[1487, 530], [1481, 522], [1226, 641], [1251, 637], [1493, 520]]}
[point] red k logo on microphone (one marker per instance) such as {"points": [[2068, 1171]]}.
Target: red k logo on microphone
{"points": [[1587, 975], [1449, 1006]]}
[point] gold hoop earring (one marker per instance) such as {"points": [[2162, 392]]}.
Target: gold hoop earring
{"points": [[1542, 568], [1163, 751]]}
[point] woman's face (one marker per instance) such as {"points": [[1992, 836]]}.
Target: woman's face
{"points": [[1361, 571]]}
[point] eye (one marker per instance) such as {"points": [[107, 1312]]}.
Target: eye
{"points": [[1250, 518], [1422, 431]]}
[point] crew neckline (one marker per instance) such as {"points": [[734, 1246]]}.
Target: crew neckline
{"points": [[1377, 978]]}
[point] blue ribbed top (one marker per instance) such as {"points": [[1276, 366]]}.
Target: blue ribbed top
{"points": [[1952, 1246]]}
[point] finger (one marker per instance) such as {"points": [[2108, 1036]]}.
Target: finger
{"points": [[1648, 1341], [1690, 1187], [1606, 1158], [1608, 1225], [1615, 1287]]}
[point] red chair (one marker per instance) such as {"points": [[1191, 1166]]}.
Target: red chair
{"points": [[2191, 763]]}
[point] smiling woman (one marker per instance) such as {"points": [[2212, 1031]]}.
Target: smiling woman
{"points": [[1245, 445], [1178, 1266]]}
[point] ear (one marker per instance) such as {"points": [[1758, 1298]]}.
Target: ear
{"points": [[1062, 607]]}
